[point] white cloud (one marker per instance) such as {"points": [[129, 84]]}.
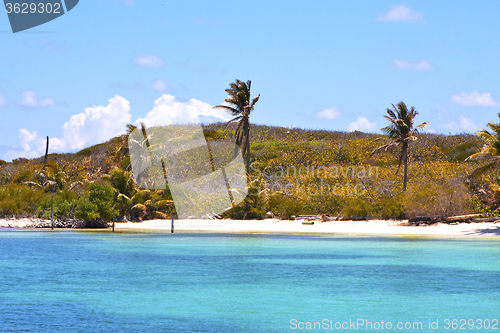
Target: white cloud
{"points": [[329, 113], [101, 123], [30, 99], [474, 98], [362, 124], [149, 60], [460, 125], [403, 14], [31, 143], [468, 125], [167, 110], [422, 65], [3, 102], [97, 124], [160, 85]]}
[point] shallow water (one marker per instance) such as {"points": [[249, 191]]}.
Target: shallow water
{"points": [[65, 281]]}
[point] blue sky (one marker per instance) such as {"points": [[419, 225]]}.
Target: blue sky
{"points": [[334, 65]]}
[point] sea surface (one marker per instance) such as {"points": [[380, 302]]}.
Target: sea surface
{"points": [[73, 281]]}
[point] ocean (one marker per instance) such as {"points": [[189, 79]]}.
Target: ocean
{"points": [[77, 281]]}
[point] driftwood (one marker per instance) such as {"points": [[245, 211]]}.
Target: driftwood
{"points": [[322, 217], [450, 219], [461, 217], [485, 219]]}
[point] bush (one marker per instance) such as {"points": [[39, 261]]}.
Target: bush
{"points": [[322, 204], [64, 205], [98, 206], [387, 207], [19, 200], [356, 208], [284, 206], [441, 197]]}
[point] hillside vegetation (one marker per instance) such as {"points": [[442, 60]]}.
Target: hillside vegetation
{"points": [[292, 172]]}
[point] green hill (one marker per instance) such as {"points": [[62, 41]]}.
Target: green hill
{"points": [[293, 172]]}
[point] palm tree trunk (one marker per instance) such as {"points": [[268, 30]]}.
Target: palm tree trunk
{"points": [[405, 161], [247, 143]]}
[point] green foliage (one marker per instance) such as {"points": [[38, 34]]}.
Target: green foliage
{"points": [[387, 207], [322, 204], [64, 205], [438, 197], [23, 176], [356, 208], [461, 151], [239, 104], [19, 200], [99, 205], [480, 208], [437, 178], [285, 207], [87, 210]]}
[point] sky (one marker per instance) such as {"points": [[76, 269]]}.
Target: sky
{"points": [[332, 65]]}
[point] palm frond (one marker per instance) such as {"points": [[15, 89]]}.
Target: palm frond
{"points": [[484, 168]]}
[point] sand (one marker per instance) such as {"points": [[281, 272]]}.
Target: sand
{"points": [[273, 226]]}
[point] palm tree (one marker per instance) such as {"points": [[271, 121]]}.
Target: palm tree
{"points": [[239, 105], [490, 149], [401, 132]]}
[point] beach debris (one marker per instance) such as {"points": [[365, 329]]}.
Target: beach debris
{"points": [[319, 218], [462, 217], [485, 219], [423, 220], [214, 216], [308, 222]]}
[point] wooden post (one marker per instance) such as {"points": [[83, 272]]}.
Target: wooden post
{"points": [[172, 224], [113, 225], [52, 224], [46, 154]]}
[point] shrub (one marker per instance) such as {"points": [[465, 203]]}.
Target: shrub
{"points": [[440, 197], [64, 205], [98, 206], [322, 204], [356, 208], [19, 200], [284, 206], [387, 207]]}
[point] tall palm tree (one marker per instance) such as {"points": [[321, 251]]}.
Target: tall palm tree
{"points": [[401, 132], [490, 149], [240, 105]]}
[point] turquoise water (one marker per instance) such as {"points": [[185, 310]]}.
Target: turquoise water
{"points": [[66, 281]]}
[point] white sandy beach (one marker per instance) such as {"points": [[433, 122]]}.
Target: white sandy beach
{"points": [[275, 226]]}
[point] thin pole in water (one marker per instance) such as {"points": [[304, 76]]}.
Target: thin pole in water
{"points": [[172, 224], [52, 219]]}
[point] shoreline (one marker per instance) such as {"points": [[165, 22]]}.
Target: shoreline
{"points": [[378, 228]]}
